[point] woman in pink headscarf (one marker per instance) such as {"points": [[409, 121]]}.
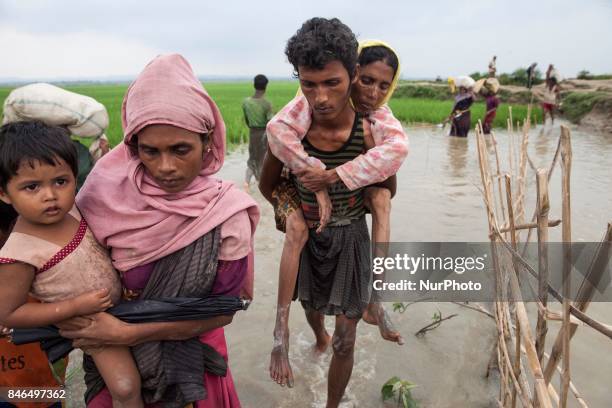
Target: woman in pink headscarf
{"points": [[154, 203]]}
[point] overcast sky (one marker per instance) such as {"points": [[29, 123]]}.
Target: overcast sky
{"points": [[64, 39]]}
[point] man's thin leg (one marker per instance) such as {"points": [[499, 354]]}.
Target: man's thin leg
{"points": [[378, 200], [295, 239], [316, 321], [341, 367]]}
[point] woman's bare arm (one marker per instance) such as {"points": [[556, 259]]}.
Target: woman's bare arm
{"points": [[104, 329]]}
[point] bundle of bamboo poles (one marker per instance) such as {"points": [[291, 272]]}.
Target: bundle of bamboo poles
{"points": [[525, 369]]}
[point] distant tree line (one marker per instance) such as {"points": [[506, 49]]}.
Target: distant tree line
{"points": [[584, 74], [518, 77]]}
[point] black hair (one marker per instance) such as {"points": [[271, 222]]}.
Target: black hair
{"points": [[32, 141], [320, 41], [369, 55], [260, 82]]}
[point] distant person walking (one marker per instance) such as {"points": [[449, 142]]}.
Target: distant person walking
{"points": [[550, 98], [493, 67], [531, 74], [552, 73], [257, 112]]}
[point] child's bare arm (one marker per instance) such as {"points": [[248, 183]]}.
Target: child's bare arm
{"points": [[16, 312], [381, 161], [285, 132]]}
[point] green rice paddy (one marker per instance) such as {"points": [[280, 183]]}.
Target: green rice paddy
{"points": [[229, 96]]}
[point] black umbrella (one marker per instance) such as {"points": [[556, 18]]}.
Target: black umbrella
{"points": [[138, 311]]}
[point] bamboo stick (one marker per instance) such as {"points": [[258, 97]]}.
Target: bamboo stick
{"points": [[572, 314], [551, 223], [523, 328], [550, 172], [552, 391], [517, 361], [504, 369], [520, 216], [532, 357], [499, 182], [523, 380], [543, 205], [476, 308], [566, 236], [601, 256], [592, 323], [559, 317], [517, 390]]}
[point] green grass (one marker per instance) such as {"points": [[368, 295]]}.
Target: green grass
{"points": [[229, 96], [435, 111], [577, 104]]}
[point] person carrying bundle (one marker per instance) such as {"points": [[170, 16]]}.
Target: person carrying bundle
{"points": [[460, 116], [488, 88], [81, 115]]}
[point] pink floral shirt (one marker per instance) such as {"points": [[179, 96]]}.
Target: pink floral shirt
{"points": [[289, 126]]}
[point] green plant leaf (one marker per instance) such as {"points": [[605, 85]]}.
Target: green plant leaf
{"points": [[407, 400], [387, 389], [398, 307]]}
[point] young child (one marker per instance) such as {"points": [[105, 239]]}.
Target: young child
{"points": [[50, 252]]}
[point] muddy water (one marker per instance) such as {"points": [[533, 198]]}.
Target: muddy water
{"points": [[437, 200]]}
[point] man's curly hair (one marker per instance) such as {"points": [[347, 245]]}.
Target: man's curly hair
{"points": [[320, 41]]}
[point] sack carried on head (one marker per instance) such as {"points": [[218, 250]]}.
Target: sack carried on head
{"points": [[82, 115]]}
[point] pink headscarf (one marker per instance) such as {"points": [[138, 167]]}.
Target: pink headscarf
{"points": [[125, 208]]}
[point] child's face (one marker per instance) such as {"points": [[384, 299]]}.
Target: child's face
{"points": [[372, 86], [42, 194]]}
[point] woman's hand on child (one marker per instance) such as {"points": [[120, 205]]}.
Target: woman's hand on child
{"points": [[104, 329], [4, 331], [92, 302]]}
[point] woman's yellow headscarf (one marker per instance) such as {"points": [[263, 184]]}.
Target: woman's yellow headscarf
{"points": [[376, 43]]}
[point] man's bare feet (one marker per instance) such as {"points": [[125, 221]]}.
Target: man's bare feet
{"points": [[280, 368], [376, 314]]}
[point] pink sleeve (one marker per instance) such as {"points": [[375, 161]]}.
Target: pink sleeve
{"points": [[285, 132], [236, 233], [237, 243], [382, 161]]}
